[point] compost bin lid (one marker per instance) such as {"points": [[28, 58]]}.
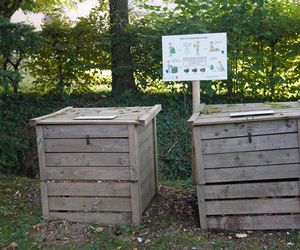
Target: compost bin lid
{"points": [[111, 115], [229, 113]]}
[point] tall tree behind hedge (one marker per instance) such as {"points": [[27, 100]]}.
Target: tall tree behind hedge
{"points": [[122, 72]]}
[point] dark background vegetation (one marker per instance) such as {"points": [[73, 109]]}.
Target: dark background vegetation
{"points": [[65, 59]]}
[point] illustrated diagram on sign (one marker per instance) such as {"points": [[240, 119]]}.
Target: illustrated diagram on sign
{"points": [[195, 57]]}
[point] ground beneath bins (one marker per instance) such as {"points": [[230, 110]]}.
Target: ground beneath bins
{"points": [[170, 222]]}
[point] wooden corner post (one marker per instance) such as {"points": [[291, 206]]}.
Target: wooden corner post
{"points": [[134, 176]]}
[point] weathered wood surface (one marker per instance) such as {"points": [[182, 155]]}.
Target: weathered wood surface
{"points": [[227, 119], [88, 204], [199, 159], [261, 222], [45, 202], [134, 175], [34, 121], [253, 206], [202, 206], [98, 218], [271, 172], [229, 160], [146, 162], [80, 145], [81, 131], [88, 173], [148, 117], [241, 129], [148, 191], [241, 144], [41, 152], [252, 190], [155, 152], [120, 189], [143, 133], [87, 159], [238, 151], [131, 115]]}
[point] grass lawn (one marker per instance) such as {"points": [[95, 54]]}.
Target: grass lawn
{"points": [[170, 222]]}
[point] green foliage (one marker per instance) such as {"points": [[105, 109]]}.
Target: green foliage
{"points": [[17, 42], [263, 44], [10, 147], [71, 57]]}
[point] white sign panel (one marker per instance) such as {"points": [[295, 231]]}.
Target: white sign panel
{"points": [[195, 57]]}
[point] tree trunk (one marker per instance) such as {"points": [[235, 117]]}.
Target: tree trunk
{"points": [[122, 72]]}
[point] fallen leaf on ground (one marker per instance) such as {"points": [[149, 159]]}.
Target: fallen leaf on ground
{"points": [[99, 229], [240, 236]]}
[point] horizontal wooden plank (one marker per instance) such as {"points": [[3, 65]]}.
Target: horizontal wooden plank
{"points": [[252, 190], [242, 129], [88, 189], [270, 172], [87, 159], [282, 156], [253, 206], [261, 222], [97, 218], [88, 204], [88, 173], [241, 144], [81, 131], [80, 145]]}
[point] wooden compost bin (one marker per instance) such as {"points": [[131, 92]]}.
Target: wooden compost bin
{"points": [[97, 171], [247, 169]]}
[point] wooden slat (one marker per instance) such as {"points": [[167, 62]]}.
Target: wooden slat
{"points": [[202, 206], [90, 204], [88, 173], [41, 152], [134, 175], [283, 156], [155, 156], [241, 129], [199, 159], [253, 206], [240, 144], [35, 121], [80, 145], [81, 131], [148, 191], [298, 127], [97, 218], [251, 190], [269, 222], [88, 189], [146, 161], [87, 159], [88, 122], [270, 172], [45, 202]]}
